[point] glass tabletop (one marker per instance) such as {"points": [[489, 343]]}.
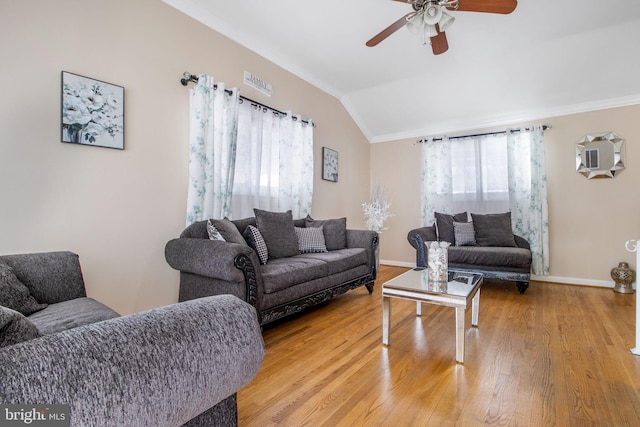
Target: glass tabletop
{"points": [[459, 283]]}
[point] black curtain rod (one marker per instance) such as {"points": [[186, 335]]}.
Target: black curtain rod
{"points": [[503, 132], [188, 78]]}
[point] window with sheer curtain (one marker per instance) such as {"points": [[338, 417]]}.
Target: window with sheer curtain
{"points": [[244, 156], [274, 162]]}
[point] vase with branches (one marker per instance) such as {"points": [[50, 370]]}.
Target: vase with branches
{"points": [[377, 210]]}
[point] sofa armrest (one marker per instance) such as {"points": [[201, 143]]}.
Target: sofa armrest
{"points": [[209, 258], [368, 240], [522, 242], [417, 237], [51, 277], [161, 367]]}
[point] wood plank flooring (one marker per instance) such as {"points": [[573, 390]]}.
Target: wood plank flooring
{"points": [[556, 356]]}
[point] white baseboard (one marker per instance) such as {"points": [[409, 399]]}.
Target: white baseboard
{"points": [[551, 279]]}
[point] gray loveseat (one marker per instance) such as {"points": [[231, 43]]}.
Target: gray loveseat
{"points": [[485, 245], [176, 365], [282, 285]]}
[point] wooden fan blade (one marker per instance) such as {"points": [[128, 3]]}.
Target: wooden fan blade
{"points": [[488, 6], [390, 30], [439, 43]]}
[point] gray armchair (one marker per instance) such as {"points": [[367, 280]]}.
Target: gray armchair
{"points": [[176, 365]]}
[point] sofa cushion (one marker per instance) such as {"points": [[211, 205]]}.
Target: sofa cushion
{"points": [[71, 314], [242, 224], [494, 230], [256, 242], [213, 232], [340, 260], [14, 294], [228, 230], [480, 256], [335, 231], [15, 328], [311, 239], [282, 273], [465, 234], [278, 232], [444, 225]]}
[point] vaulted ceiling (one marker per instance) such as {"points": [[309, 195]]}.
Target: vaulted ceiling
{"points": [[547, 58]]}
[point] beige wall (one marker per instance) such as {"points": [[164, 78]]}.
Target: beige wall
{"points": [[117, 209], [589, 220]]}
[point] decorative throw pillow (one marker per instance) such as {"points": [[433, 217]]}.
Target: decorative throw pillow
{"points": [[14, 294], [311, 239], [213, 232], [15, 328], [465, 234], [228, 231], [278, 232], [256, 242], [444, 225], [335, 231], [494, 230]]}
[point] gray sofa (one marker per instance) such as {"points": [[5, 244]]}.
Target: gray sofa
{"points": [[509, 261], [283, 285], [176, 365]]}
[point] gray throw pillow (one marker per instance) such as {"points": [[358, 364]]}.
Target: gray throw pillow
{"points": [[335, 231], [15, 328], [14, 294], [494, 230], [278, 232], [256, 242], [444, 225], [228, 231], [465, 234]]}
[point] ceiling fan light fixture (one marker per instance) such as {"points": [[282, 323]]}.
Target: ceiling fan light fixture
{"points": [[432, 14], [446, 21], [430, 31], [415, 24]]}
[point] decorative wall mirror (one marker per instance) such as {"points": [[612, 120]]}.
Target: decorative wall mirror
{"points": [[600, 155]]}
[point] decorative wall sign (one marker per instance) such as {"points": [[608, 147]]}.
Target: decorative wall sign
{"points": [[257, 83], [329, 164], [92, 112]]}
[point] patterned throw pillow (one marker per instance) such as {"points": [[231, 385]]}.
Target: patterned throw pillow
{"points": [[465, 234], [256, 242], [311, 240], [213, 232]]}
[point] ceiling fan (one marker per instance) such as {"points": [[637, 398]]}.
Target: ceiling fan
{"points": [[430, 19]]}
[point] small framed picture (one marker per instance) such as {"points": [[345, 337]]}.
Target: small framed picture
{"points": [[92, 112], [329, 164]]}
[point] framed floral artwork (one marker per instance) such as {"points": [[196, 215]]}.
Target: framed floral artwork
{"points": [[92, 112], [329, 164]]}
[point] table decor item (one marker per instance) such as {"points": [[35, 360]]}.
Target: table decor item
{"points": [[438, 260]]}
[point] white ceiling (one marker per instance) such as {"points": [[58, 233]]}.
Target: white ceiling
{"points": [[547, 58]]}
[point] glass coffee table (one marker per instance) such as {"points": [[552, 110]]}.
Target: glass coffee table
{"points": [[458, 292]]}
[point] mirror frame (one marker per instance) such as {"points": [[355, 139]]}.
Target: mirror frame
{"points": [[586, 144]]}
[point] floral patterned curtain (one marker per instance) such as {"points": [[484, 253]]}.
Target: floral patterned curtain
{"points": [[296, 166], [528, 193], [213, 129], [436, 179]]}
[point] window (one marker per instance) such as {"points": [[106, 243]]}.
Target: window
{"points": [[479, 174]]}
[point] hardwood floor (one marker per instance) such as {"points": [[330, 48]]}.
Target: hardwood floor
{"points": [[556, 356]]}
